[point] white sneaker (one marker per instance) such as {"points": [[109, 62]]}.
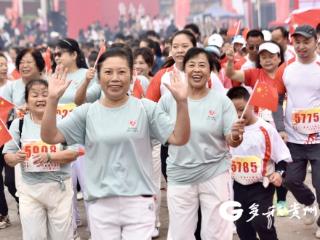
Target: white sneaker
{"points": [[79, 196], [310, 216], [156, 233], [318, 232]]}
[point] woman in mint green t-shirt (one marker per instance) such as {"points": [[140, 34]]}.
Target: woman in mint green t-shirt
{"points": [[117, 131], [45, 192], [198, 171]]}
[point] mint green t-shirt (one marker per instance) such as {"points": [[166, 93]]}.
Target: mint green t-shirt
{"points": [[76, 78], [206, 154], [31, 131], [118, 145], [15, 92]]}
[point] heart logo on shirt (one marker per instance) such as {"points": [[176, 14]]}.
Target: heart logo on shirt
{"points": [[133, 123], [211, 113]]}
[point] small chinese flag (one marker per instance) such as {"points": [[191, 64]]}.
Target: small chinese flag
{"points": [[245, 32], [5, 108], [101, 51], [234, 29], [5, 136], [264, 95], [47, 59]]}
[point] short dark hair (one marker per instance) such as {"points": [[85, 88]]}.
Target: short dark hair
{"points": [[281, 55], [36, 55], [255, 33], [116, 52], [152, 33], [71, 46], [191, 37], [195, 51], [284, 32], [93, 55], [148, 41], [31, 84], [194, 28], [147, 55], [238, 93]]}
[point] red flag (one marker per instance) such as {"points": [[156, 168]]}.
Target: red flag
{"points": [[264, 95], [101, 51], [5, 108], [47, 59], [5, 136], [234, 29], [245, 32], [137, 89]]}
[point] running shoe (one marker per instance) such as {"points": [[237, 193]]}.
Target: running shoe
{"points": [[282, 209]]}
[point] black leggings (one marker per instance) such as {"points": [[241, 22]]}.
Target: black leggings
{"points": [[9, 181]]}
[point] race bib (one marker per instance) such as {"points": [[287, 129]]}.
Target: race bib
{"points": [[32, 147], [306, 121], [246, 169], [65, 109]]}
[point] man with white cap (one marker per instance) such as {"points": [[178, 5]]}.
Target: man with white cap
{"points": [[301, 80], [239, 44]]}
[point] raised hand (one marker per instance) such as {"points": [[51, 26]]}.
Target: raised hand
{"points": [[90, 74], [178, 87], [58, 82], [230, 54]]}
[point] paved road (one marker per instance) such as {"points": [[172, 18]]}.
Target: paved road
{"points": [[288, 229]]}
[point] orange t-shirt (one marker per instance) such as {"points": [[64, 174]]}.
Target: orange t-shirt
{"points": [[251, 76], [153, 91]]}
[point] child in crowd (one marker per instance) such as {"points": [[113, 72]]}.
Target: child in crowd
{"points": [[254, 171]]}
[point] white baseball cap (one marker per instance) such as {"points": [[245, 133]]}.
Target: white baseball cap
{"points": [[215, 40], [213, 49], [239, 39], [270, 47]]}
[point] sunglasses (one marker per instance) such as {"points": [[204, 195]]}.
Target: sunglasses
{"points": [[253, 47], [58, 54]]}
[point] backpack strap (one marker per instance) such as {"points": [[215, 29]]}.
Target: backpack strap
{"points": [[267, 154], [21, 120]]}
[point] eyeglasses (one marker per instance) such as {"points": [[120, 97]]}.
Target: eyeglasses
{"points": [[253, 47]]}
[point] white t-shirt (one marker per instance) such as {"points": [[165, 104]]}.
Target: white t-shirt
{"points": [[302, 83], [248, 64], [254, 144], [289, 53], [3, 87]]}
